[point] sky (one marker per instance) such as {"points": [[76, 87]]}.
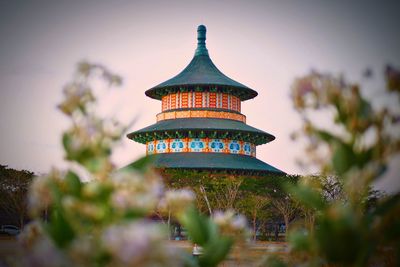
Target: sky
{"points": [[262, 44]]}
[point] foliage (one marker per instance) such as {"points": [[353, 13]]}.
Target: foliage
{"points": [[105, 221], [255, 208], [356, 149], [14, 186], [260, 197]]}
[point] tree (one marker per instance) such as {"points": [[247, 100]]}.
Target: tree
{"points": [[14, 185], [214, 191], [247, 194], [287, 207], [253, 206]]}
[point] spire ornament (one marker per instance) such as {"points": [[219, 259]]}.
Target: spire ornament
{"points": [[201, 41]]}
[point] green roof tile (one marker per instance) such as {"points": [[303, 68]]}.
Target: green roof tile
{"points": [[201, 71], [214, 161], [206, 125]]}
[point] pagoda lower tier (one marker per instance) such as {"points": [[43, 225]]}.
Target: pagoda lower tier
{"points": [[205, 143], [235, 163]]}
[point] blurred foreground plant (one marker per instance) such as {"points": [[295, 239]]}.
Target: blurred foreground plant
{"points": [[356, 148], [106, 221]]}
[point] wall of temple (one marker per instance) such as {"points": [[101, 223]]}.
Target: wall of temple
{"points": [[213, 100]]}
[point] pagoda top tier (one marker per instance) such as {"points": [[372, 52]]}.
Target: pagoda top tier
{"points": [[201, 75]]}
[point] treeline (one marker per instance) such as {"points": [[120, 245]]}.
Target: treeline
{"points": [[14, 185], [263, 199]]}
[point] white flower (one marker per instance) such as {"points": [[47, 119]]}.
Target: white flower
{"points": [[82, 250], [139, 243], [112, 129], [239, 222], [229, 223], [135, 191], [40, 196], [177, 201], [38, 248]]}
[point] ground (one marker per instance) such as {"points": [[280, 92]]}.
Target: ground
{"points": [[256, 251]]}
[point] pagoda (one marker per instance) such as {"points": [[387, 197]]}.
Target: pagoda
{"points": [[201, 125]]}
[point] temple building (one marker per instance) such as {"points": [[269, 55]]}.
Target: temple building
{"points": [[201, 125]]}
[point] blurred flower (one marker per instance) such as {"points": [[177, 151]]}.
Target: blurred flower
{"points": [[176, 201], [134, 191], [367, 73], [395, 119], [304, 87], [40, 196], [84, 68], [38, 248], [112, 129], [230, 223], [77, 96], [31, 233], [138, 243], [83, 250], [84, 209], [392, 78]]}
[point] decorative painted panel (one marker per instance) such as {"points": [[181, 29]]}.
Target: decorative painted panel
{"points": [[150, 147], [177, 145], [253, 150], [185, 99], [196, 145], [205, 145], [247, 149], [161, 146], [164, 103], [216, 145], [234, 147], [200, 100], [173, 101], [225, 101], [212, 100], [198, 96]]}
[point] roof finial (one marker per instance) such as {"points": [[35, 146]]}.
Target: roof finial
{"points": [[201, 41]]}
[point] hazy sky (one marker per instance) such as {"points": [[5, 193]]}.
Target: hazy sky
{"points": [[262, 44]]}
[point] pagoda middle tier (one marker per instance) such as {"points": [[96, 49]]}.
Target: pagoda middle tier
{"points": [[201, 125]]}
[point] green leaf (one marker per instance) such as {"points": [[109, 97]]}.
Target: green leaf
{"points": [[343, 158], [365, 109], [215, 252], [365, 157], [66, 141], [273, 261], [133, 214], [307, 196], [339, 236], [141, 164], [197, 226], [299, 240], [93, 164], [326, 136], [73, 183], [189, 260], [59, 229], [97, 191]]}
